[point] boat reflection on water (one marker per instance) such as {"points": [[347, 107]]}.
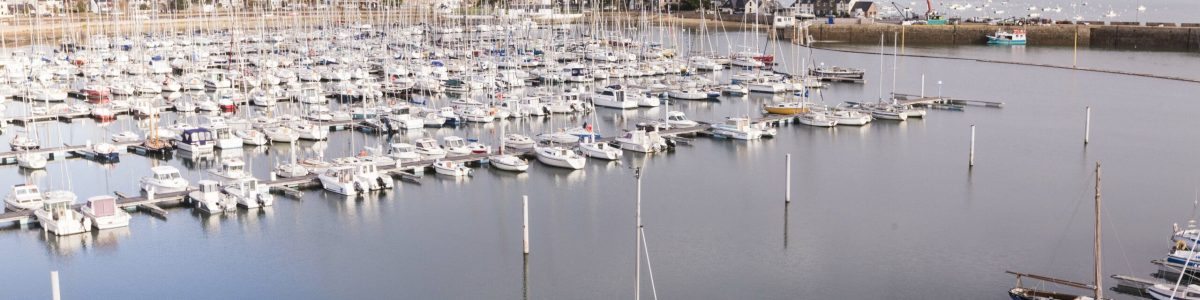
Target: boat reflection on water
{"points": [[68, 245], [354, 209], [252, 221]]}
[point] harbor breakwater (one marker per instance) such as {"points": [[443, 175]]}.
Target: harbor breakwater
{"points": [[1107, 36]]}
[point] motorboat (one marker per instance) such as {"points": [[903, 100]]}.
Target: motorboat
{"points": [[104, 213], [309, 131], [677, 119], [404, 152], [231, 169], [223, 136], [477, 147], [557, 156], [642, 141], [209, 198], [249, 193], [428, 149], [451, 168], [477, 115], [737, 128], [126, 137], [836, 72], [23, 197], [612, 96], [197, 140], [56, 215], [455, 146], [164, 179], [518, 141], [341, 180], [735, 90]]}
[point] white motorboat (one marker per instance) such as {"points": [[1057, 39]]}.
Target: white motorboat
{"points": [[735, 90], [197, 140], [737, 128], [561, 157], [249, 193], [678, 120], [477, 115], [642, 141], [455, 146], [209, 198], [309, 131], [450, 168], [341, 180], [517, 141], [1170, 291], [223, 135], [561, 137], [404, 152], [56, 215], [164, 179], [23, 197], [104, 213], [368, 173], [428, 149], [612, 96], [231, 169]]}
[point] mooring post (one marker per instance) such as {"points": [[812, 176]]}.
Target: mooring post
{"points": [[1087, 124], [972, 154], [54, 293], [525, 224], [787, 192], [922, 85]]}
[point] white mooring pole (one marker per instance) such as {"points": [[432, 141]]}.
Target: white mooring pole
{"points": [[525, 225], [1087, 124], [54, 293], [972, 155], [787, 192]]}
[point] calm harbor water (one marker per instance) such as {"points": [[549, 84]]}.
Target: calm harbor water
{"points": [[888, 210]]}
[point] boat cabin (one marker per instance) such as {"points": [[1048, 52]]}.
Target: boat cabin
{"points": [[197, 137], [164, 173], [26, 196], [102, 206]]}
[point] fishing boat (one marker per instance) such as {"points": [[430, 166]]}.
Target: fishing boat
{"points": [[249, 193], [209, 198], [455, 146], [1097, 288], [1016, 37], [231, 169], [404, 152], [56, 215], [518, 141], [32, 161], [599, 150], [23, 197], [164, 179], [104, 213], [851, 117], [341, 180]]}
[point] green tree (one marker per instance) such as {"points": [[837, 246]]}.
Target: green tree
{"points": [[178, 5]]}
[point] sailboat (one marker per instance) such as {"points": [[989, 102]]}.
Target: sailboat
{"points": [[1028, 293]]}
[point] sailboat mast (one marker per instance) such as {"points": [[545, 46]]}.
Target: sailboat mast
{"points": [[1096, 251]]}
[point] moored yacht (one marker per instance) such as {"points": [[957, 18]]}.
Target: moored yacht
{"points": [[104, 213]]}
